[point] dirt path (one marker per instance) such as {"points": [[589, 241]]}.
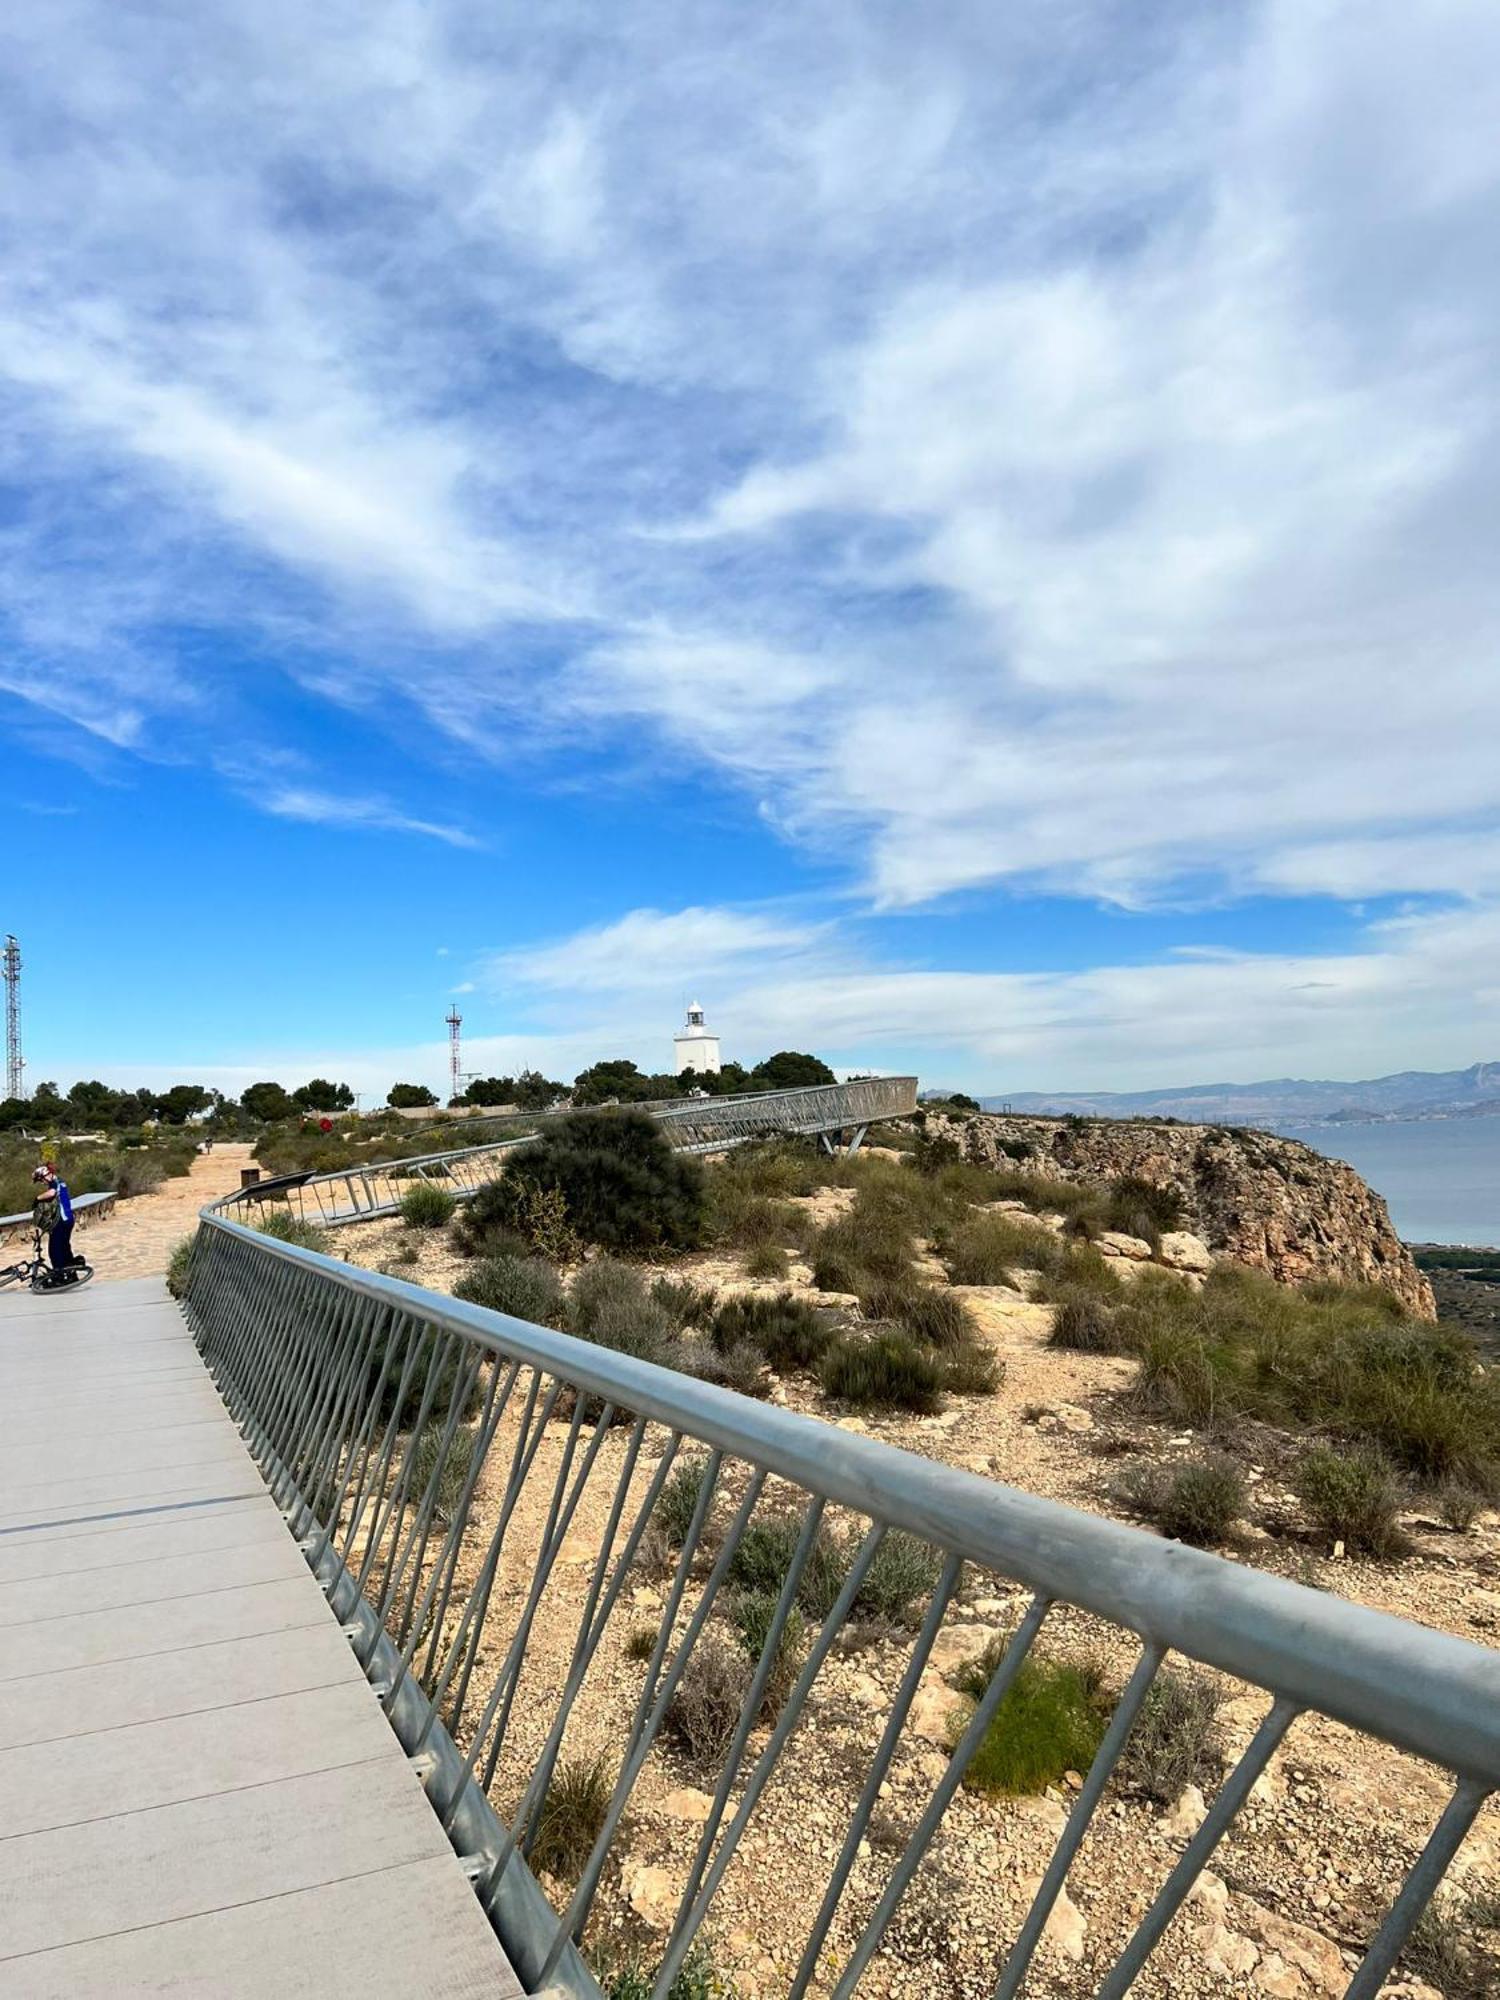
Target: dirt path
{"points": [[137, 1240]]}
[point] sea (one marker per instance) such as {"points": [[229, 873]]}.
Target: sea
{"points": [[1440, 1176]]}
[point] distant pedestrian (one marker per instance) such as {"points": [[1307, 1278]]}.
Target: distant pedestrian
{"points": [[52, 1213]]}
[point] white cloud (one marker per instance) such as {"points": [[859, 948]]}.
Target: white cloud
{"points": [[658, 951], [1421, 991], [315, 808]]}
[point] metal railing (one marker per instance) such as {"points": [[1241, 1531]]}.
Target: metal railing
{"points": [[86, 1208], [366, 1193], [692, 1125], [475, 1492]]}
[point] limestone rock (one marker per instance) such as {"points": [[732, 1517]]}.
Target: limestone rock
{"points": [[1115, 1243], [956, 1643], [933, 1711], [1066, 1925], [1185, 1818], [652, 1893], [1186, 1252], [1315, 1958], [1282, 1981], [1210, 1893], [689, 1804], [1046, 1812], [1224, 1951]]}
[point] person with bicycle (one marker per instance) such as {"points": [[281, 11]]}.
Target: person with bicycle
{"points": [[52, 1214]]}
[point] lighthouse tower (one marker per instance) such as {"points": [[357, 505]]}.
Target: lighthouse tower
{"points": [[693, 1046]]}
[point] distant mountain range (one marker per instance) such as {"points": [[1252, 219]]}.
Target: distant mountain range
{"points": [[1285, 1100]]}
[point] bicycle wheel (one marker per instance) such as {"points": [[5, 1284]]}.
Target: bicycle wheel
{"points": [[14, 1274]]}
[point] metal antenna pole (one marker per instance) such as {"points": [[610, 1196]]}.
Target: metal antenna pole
{"points": [[15, 1064], [455, 1055]]}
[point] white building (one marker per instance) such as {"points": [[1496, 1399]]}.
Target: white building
{"points": [[693, 1046]]}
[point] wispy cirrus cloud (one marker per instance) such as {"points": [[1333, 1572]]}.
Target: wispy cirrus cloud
{"points": [[316, 808]]}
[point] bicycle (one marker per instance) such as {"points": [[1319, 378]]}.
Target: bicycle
{"points": [[36, 1272]]}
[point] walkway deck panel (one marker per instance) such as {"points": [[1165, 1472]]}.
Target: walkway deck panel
{"points": [[198, 1790]]}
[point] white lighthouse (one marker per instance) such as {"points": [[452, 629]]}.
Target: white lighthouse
{"points": [[693, 1046]]}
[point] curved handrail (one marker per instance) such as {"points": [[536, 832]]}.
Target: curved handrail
{"points": [[840, 1104], [341, 1375], [370, 1192]]}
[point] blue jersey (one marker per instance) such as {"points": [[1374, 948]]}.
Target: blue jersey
{"points": [[64, 1201]]}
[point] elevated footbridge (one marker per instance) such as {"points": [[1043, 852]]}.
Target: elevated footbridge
{"points": [[835, 1114]]}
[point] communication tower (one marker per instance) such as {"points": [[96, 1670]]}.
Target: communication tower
{"points": [[455, 1055], [15, 1065]]}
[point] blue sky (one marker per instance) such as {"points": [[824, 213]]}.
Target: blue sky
{"points": [[964, 543]]}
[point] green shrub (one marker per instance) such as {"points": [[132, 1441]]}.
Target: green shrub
{"points": [[764, 1554], [1141, 1208], [525, 1287], [887, 1372], [686, 1304], [1045, 1195], [900, 1581], [179, 1264], [758, 1223], [763, 1559], [627, 1975], [1085, 1324], [1352, 1497], [572, 1817], [856, 1243], [1443, 1952], [289, 1228], [934, 1318], [834, 1270], [610, 1306], [706, 1705], [986, 1249], [137, 1173], [767, 1260], [451, 1467], [1050, 1720], [678, 1500], [1459, 1505], [1198, 1502], [424, 1206], [741, 1368], [972, 1369], [785, 1329], [623, 1186], [511, 1216], [1245, 1346], [396, 1354], [751, 1615], [1172, 1743], [1082, 1271], [640, 1642]]}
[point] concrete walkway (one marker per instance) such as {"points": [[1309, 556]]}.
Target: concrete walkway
{"points": [[198, 1791]]}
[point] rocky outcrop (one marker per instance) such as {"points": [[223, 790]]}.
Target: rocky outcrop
{"points": [[1263, 1200]]}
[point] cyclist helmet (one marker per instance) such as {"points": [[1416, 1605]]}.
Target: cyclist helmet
{"points": [[42, 1173]]}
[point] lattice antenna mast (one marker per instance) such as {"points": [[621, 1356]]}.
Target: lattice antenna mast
{"points": [[455, 1055], [15, 1064]]}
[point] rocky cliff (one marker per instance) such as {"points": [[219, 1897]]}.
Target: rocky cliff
{"points": [[1260, 1199]]}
